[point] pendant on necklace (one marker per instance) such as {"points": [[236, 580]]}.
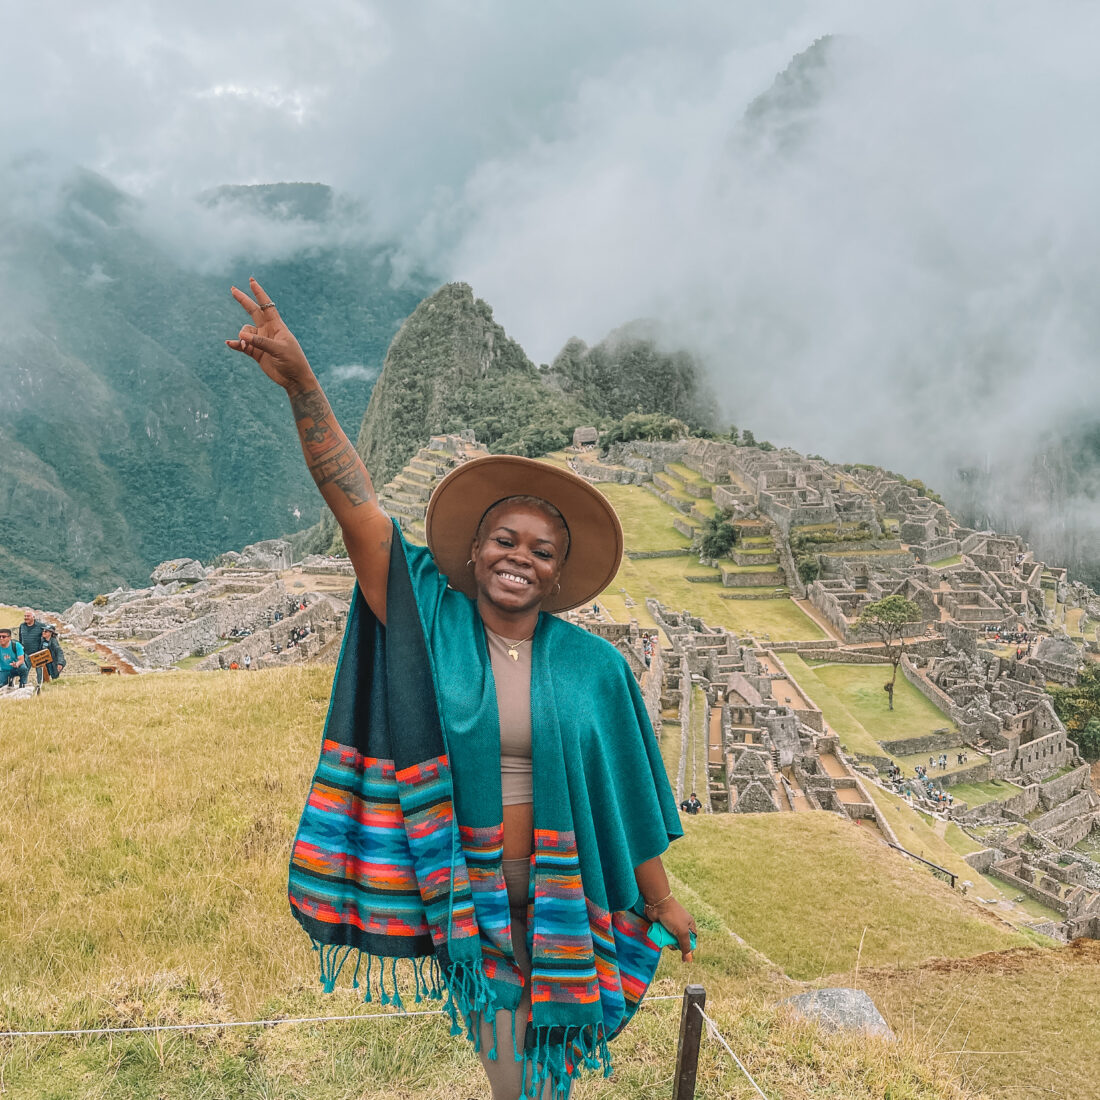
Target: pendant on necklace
{"points": [[513, 653]]}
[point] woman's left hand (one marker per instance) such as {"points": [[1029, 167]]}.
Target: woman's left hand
{"points": [[678, 921]]}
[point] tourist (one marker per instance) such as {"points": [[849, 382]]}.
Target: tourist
{"points": [[453, 652], [247, 661], [691, 805], [13, 661], [57, 656], [30, 638]]}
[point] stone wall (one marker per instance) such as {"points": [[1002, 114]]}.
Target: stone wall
{"points": [[843, 656], [937, 697], [597, 471], [763, 579], [930, 743], [726, 497], [1072, 832], [794, 581], [976, 773], [982, 861], [324, 616], [205, 632], [1048, 899], [1078, 805], [1058, 790]]}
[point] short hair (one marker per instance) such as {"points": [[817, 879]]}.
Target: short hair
{"points": [[532, 502], [5, 630]]}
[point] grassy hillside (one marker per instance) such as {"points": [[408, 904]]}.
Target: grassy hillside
{"points": [[148, 830]]}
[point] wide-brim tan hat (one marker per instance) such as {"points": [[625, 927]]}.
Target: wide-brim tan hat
{"points": [[470, 490]]}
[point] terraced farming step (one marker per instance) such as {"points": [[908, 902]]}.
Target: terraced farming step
{"points": [[751, 576]]}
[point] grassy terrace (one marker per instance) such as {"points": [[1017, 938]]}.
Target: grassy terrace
{"points": [[646, 520], [692, 477], [663, 579], [978, 794], [854, 736], [859, 689], [908, 915], [943, 563], [150, 823], [647, 526]]}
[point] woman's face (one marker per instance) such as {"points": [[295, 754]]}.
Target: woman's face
{"points": [[518, 557]]}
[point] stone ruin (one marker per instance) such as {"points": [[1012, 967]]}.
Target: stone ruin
{"points": [[193, 611]]}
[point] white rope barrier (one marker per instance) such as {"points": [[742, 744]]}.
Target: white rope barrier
{"points": [[210, 1025], [716, 1035]]}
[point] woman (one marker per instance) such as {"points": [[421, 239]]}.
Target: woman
{"points": [[490, 801]]}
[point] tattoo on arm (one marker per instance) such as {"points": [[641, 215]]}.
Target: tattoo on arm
{"points": [[331, 458]]}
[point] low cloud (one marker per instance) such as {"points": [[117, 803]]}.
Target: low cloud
{"points": [[895, 262], [353, 372]]}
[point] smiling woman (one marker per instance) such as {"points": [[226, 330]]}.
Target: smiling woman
{"points": [[490, 796]]}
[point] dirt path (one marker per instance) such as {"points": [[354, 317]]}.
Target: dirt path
{"points": [[714, 749], [111, 657], [834, 769]]}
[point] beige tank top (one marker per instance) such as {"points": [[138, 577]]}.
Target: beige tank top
{"points": [[513, 684]]}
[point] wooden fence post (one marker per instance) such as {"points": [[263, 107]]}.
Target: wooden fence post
{"points": [[687, 1048]]}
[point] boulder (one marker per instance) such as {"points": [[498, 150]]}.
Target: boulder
{"points": [[841, 1009], [183, 570], [273, 554], [79, 616]]}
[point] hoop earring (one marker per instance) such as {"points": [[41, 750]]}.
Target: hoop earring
{"points": [[470, 564], [557, 588]]}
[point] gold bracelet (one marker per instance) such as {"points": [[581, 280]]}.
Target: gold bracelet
{"points": [[654, 904]]}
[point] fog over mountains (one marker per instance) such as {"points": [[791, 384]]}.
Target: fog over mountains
{"points": [[874, 225]]}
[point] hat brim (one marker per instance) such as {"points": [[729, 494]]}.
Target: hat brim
{"points": [[467, 492]]}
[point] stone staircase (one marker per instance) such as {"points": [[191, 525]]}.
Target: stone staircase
{"points": [[405, 498]]}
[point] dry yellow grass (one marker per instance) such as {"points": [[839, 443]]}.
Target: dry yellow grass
{"points": [[147, 830]]}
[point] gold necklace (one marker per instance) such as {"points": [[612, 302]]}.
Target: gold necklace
{"points": [[513, 647]]}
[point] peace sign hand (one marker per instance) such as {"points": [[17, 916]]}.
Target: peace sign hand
{"points": [[269, 341]]}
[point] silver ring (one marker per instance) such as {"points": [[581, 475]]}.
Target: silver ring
{"points": [[268, 305]]}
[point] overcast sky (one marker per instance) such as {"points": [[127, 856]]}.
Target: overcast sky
{"points": [[924, 252]]}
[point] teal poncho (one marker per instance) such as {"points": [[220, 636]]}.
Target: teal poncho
{"points": [[398, 854]]}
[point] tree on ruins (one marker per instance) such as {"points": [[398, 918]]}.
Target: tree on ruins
{"points": [[886, 619], [1079, 708], [718, 536]]}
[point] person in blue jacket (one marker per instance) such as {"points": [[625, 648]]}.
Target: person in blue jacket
{"points": [[13, 661]]}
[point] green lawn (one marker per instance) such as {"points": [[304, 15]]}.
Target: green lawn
{"points": [[689, 475], [901, 913], [853, 735], [1025, 902], [614, 603], [663, 579], [910, 761], [955, 559], [646, 520], [978, 794], [859, 688]]}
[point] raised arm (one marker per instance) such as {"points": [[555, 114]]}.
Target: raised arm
{"points": [[330, 456]]}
